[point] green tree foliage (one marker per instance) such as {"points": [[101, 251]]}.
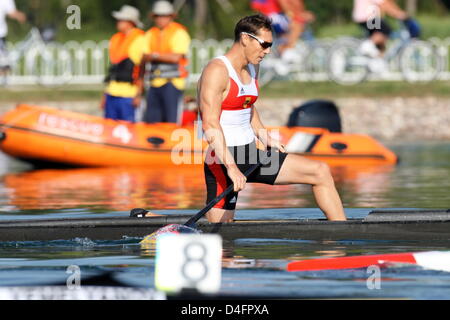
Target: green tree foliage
{"points": [[218, 22]]}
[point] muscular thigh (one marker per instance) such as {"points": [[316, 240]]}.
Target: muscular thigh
{"points": [[298, 169]]}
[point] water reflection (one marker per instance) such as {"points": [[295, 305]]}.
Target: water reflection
{"points": [[420, 181], [121, 189], [251, 266], [103, 189], [358, 186]]}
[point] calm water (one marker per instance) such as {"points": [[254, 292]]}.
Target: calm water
{"points": [[251, 266]]}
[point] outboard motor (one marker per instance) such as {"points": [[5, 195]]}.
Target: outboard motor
{"points": [[316, 114]]}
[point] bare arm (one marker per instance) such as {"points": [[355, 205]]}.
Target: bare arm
{"points": [[140, 80], [212, 86], [260, 130], [173, 58], [179, 45], [287, 6], [263, 134], [296, 10], [258, 127], [391, 8], [18, 15]]}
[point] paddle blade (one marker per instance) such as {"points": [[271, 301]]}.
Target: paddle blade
{"points": [[170, 229], [353, 262]]}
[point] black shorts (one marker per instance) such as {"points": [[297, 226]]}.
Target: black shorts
{"points": [[217, 180], [384, 28]]}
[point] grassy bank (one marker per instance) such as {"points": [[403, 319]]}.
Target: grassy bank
{"points": [[368, 89], [274, 90]]}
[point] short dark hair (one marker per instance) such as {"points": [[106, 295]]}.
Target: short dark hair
{"points": [[252, 24]]}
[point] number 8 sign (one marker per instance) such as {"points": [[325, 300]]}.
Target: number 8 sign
{"points": [[188, 262]]}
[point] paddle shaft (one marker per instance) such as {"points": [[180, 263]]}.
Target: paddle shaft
{"points": [[191, 223]]}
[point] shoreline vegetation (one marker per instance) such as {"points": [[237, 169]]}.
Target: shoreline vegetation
{"points": [[370, 107], [387, 111], [281, 89], [212, 18]]}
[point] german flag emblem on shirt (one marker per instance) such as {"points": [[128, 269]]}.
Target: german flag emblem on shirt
{"points": [[248, 102]]}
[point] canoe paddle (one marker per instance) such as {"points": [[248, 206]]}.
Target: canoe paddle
{"points": [[190, 225]]}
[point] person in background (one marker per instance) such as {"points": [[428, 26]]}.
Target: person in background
{"points": [[369, 15], [289, 20], [166, 49], [227, 93], [299, 18], [7, 10], [122, 92]]}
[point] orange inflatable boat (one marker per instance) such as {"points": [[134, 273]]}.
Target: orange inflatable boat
{"points": [[48, 135], [181, 187]]}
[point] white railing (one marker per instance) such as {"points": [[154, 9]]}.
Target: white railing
{"points": [[89, 61]]}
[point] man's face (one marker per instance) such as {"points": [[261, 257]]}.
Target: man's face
{"points": [[124, 26], [162, 21], [255, 44]]}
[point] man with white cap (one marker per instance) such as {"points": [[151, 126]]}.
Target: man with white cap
{"points": [[122, 92], [369, 14], [166, 48]]}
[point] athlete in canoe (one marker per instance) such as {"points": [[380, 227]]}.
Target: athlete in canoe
{"points": [[227, 92]]}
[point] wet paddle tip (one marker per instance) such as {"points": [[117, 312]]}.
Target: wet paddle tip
{"points": [[170, 229]]}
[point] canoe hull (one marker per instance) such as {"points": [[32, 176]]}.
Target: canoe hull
{"points": [[118, 228]]}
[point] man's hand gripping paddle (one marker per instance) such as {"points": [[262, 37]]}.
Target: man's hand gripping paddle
{"points": [[190, 226]]}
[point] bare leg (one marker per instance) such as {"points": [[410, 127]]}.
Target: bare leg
{"points": [[380, 40], [296, 30], [220, 216], [299, 170]]}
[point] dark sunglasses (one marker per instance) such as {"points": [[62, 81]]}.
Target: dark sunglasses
{"points": [[264, 44], [161, 15]]}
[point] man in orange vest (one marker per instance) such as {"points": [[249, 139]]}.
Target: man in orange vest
{"points": [[125, 50], [166, 48]]}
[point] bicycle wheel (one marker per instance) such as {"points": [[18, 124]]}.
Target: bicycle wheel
{"points": [[420, 62], [267, 72], [316, 61], [4, 74], [5, 68], [346, 66], [52, 67]]}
